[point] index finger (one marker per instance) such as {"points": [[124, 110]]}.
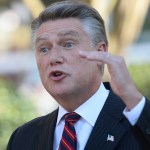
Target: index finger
{"points": [[100, 56]]}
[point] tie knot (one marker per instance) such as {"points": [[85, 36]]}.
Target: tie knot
{"points": [[72, 117]]}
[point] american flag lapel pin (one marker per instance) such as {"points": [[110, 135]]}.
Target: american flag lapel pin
{"points": [[110, 138]]}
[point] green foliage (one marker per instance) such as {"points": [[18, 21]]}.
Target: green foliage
{"points": [[141, 76], [14, 111]]}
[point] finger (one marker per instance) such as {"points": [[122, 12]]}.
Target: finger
{"points": [[100, 56]]}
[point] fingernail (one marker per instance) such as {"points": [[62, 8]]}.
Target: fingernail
{"points": [[82, 53]]}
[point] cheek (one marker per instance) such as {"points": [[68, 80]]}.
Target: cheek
{"points": [[83, 67], [41, 64]]}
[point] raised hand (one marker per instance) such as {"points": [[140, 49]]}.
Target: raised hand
{"points": [[120, 79]]}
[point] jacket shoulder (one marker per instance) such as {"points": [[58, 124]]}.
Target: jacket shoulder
{"points": [[26, 134], [38, 122]]}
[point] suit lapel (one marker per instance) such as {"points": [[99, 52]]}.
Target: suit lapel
{"points": [[110, 126], [45, 134]]}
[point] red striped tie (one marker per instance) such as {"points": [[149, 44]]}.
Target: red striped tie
{"points": [[69, 140]]}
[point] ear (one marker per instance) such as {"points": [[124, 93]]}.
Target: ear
{"points": [[101, 46]]}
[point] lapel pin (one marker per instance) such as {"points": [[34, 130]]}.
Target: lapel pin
{"points": [[110, 138]]}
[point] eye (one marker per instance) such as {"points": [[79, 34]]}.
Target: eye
{"points": [[44, 49], [69, 45]]}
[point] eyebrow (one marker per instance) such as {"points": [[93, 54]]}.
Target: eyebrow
{"points": [[41, 39], [68, 33], [61, 34]]}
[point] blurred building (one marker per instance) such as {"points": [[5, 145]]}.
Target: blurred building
{"points": [[139, 51]]}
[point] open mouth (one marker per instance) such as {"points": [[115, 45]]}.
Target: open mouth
{"points": [[57, 75]]}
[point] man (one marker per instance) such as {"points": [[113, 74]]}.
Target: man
{"points": [[71, 50]]}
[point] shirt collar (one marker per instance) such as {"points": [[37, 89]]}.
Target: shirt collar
{"points": [[93, 105]]}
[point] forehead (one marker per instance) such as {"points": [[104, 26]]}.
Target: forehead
{"points": [[61, 27]]}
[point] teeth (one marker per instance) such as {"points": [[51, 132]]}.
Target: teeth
{"points": [[57, 74]]}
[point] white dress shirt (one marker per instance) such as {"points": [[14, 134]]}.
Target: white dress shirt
{"points": [[133, 115], [85, 125]]}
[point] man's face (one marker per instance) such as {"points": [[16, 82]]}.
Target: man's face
{"points": [[62, 70]]}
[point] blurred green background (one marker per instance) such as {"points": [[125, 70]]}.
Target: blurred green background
{"points": [[22, 96], [15, 109]]}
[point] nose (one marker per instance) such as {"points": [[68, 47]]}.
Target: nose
{"points": [[56, 57]]}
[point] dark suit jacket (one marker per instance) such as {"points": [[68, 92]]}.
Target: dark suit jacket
{"points": [[38, 134]]}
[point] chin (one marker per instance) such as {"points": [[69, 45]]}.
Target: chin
{"points": [[56, 93]]}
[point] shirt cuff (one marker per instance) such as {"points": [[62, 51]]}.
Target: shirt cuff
{"points": [[134, 114]]}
